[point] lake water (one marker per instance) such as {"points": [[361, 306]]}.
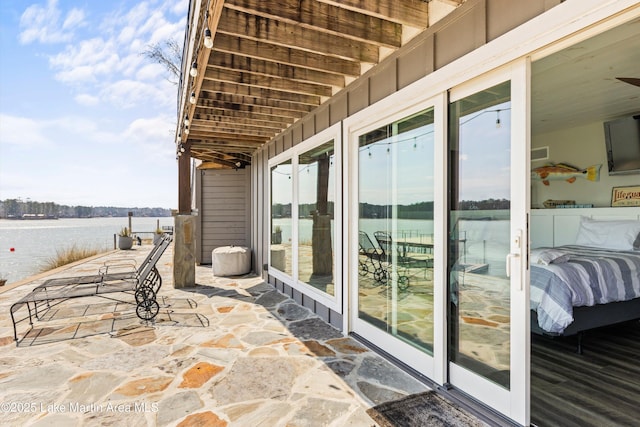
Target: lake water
{"points": [[485, 242], [34, 242]]}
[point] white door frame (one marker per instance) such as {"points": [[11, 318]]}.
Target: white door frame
{"points": [[384, 112], [513, 402]]}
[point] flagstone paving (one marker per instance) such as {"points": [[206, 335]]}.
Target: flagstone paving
{"points": [[228, 352]]}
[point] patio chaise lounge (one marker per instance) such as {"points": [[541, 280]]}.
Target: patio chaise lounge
{"points": [[143, 282], [373, 258], [401, 253]]}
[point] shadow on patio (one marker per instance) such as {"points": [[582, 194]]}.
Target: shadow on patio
{"points": [[230, 351]]}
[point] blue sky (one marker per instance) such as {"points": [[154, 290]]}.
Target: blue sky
{"points": [[85, 118]]}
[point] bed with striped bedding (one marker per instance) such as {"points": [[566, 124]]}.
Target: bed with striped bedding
{"points": [[585, 276]]}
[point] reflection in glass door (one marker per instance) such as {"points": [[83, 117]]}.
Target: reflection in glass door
{"points": [[488, 300], [479, 226], [316, 204], [281, 251], [395, 225]]}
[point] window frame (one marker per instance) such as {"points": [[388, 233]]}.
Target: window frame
{"points": [[333, 302]]}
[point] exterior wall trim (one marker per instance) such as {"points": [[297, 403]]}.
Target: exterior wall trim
{"points": [[333, 303]]}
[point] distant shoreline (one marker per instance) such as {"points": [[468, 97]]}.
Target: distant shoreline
{"points": [[32, 217]]}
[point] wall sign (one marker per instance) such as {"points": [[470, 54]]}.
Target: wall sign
{"points": [[626, 196]]}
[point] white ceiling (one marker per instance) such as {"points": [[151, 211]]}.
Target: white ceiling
{"points": [[578, 85]]}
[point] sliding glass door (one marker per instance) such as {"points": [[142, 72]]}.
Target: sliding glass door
{"points": [[438, 207], [488, 310], [394, 296]]}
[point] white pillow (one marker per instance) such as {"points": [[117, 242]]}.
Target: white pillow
{"points": [[616, 234], [546, 256]]}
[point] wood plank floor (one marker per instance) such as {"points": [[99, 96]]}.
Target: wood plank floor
{"points": [[598, 388]]}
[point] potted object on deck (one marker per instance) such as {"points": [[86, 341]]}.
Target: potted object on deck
{"points": [[125, 240], [157, 235], [276, 236]]}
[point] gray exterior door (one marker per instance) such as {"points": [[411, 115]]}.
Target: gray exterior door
{"points": [[223, 203]]}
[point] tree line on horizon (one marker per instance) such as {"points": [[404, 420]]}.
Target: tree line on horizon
{"points": [[421, 210], [17, 208]]}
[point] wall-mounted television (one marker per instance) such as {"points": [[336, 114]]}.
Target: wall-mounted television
{"points": [[622, 137]]}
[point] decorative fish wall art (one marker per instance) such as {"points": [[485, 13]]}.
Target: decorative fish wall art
{"points": [[564, 172]]}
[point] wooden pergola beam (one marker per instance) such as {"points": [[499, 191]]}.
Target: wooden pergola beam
{"points": [[261, 81], [296, 36], [240, 121], [224, 60], [414, 13], [240, 134], [259, 92], [326, 18], [274, 120], [221, 144], [235, 128], [286, 55], [216, 105], [211, 99], [272, 63], [222, 136]]}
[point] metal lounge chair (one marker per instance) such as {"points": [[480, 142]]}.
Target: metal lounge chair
{"points": [[114, 269], [373, 258], [144, 283], [398, 254]]}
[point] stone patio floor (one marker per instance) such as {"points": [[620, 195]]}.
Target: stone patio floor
{"points": [[230, 351]]}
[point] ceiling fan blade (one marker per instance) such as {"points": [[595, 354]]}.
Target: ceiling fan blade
{"points": [[631, 80]]}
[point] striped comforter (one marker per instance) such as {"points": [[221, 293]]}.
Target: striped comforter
{"points": [[591, 276]]}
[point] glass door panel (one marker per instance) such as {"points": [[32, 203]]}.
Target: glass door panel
{"points": [[488, 307], [395, 225], [479, 226], [316, 204]]}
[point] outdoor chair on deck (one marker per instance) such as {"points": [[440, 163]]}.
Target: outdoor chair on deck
{"points": [[113, 269], [143, 283], [373, 258], [402, 256]]}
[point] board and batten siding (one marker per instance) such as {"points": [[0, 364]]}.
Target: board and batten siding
{"points": [[474, 24], [224, 210]]}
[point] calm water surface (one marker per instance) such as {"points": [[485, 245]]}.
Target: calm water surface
{"points": [[36, 241], [484, 240]]}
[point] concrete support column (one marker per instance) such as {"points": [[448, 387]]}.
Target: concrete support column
{"points": [[184, 252]]}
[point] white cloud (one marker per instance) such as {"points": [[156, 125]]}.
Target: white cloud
{"points": [[130, 20], [80, 156], [42, 24], [86, 99], [152, 21], [85, 61], [75, 18], [23, 131], [153, 135], [131, 93], [111, 64], [166, 31], [150, 72], [179, 8], [58, 132], [77, 74], [127, 34], [150, 129]]}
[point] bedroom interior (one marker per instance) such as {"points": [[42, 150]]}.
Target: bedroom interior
{"points": [[574, 92]]}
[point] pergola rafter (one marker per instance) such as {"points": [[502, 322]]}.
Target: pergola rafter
{"points": [[272, 63]]}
